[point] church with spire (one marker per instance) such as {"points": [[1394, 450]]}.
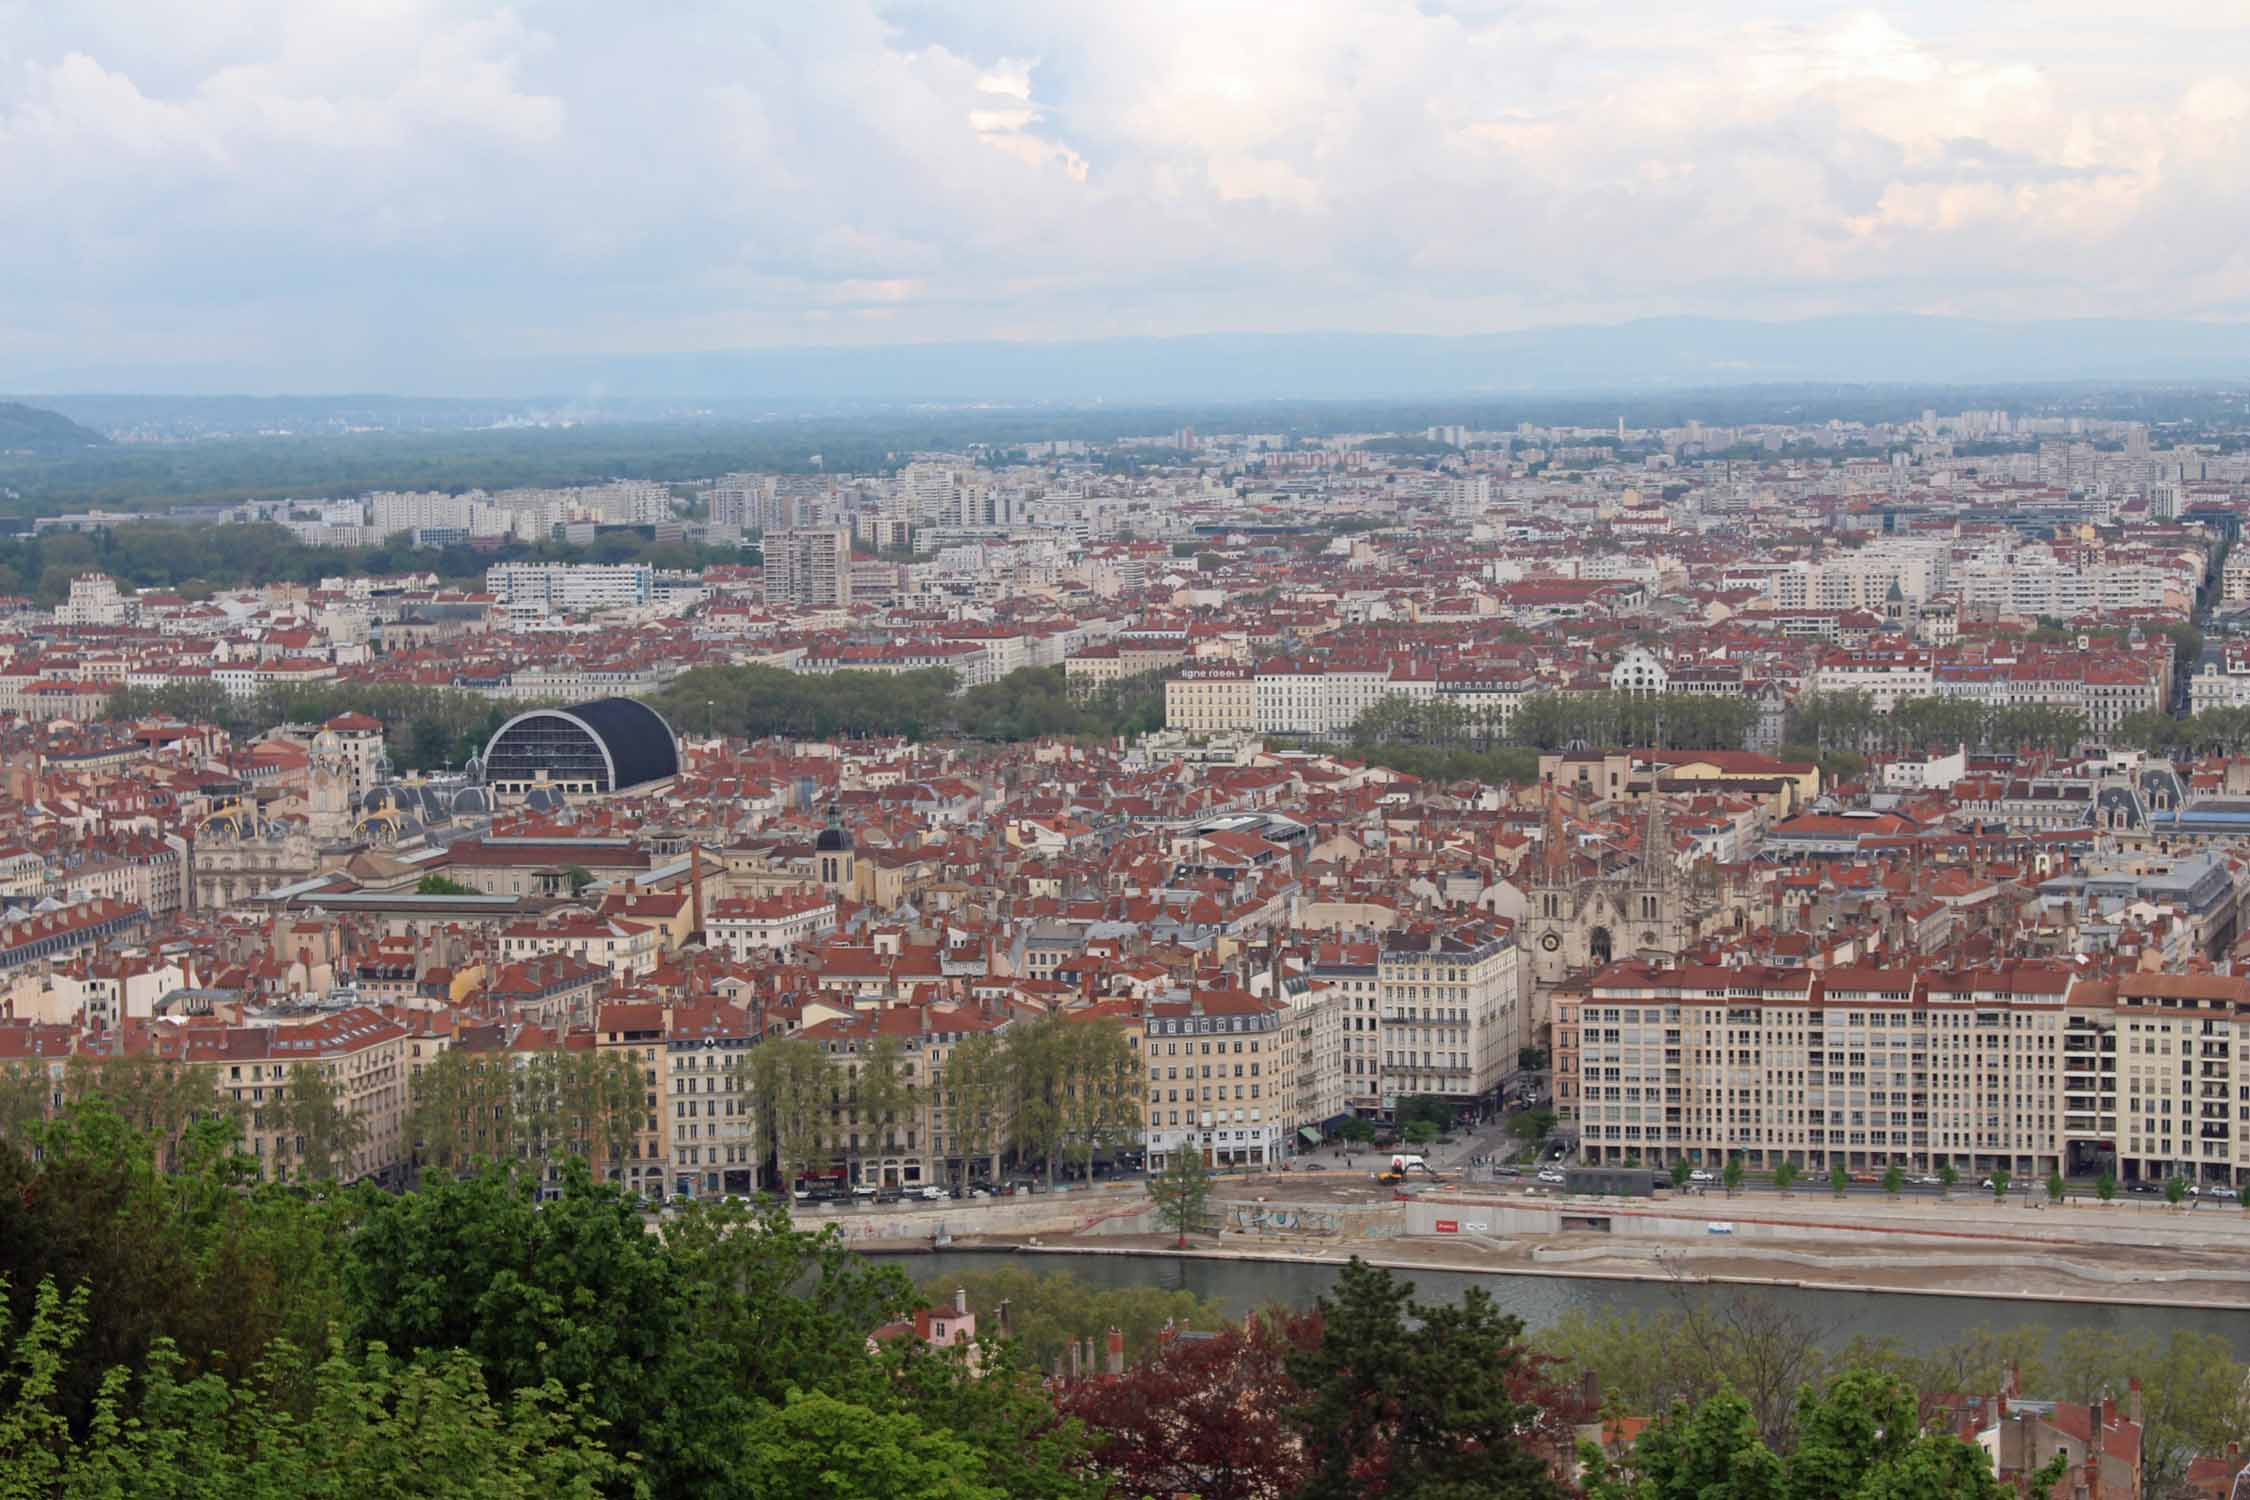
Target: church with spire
{"points": [[1583, 911]]}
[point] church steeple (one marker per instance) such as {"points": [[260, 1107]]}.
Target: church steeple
{"points": [[1656, 838]]}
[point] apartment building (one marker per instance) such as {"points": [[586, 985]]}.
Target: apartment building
{"points": [[713, 1146], [2026, 1068], [361, 1053], [1350, 971], [1212, 700], [1455, 1009], [1219, 1078], [638, 1031], [810, 568], [525, 588]]}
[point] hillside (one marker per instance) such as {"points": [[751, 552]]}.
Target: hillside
{"points": [[29, 429]]}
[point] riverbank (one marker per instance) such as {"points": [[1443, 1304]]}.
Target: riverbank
{"points": [[1747, 1270]]}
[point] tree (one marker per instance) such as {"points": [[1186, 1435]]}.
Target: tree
{"points": [[1894, 1180], [1205, 1416], [883, 1091], [578, 877], [1860, 1439], [2055, 1186], [2105, 1186], [325, 1129], [1046, 1311], [2175, 1190], [1948, 1175], [1038, 1065], [574, 1290], [1838, 1179], [1785, 1174], [1680, 1172], [1358, 1131], [369, 1424], [1420, 1133], [814, 1444], [1182, 1192], [791, 1090], [974, 1087], [2000, 1181], [1409, 1400], [1428, 1109], [434, 884], [1101, 1089], [1732, 1175], [2193, 1393], [1531, 1127]]}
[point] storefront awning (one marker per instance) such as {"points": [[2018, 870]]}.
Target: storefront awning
{"points": [[1308, 1135]]}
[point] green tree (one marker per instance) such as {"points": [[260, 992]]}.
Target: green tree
{"points": [[370, 1424], [1680, 1172], [1785, 1174], [1426, 1395], [317, 1120], [884, 1095], [974, 1087], [791, 1090], [1048, 1310], [1948, 1176], [2105, 1186], [1894, 1180], [1182, 1192], [2175, 1190], [1732, 1175], [2194, 1394], [1420, 1133], [1038, 1071], [2000, 1182], [1359, 1132], [1838, 1179], [2055, 1187], [573, 1290], [1531, 1127], [1428, 1109], [1101, 1090], [817, 1445], [434, 884]]}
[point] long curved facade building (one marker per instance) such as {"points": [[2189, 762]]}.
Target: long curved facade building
{"points": [[589, 749]]}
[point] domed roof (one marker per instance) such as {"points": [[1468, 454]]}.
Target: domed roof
{"points": [[833, 838]]}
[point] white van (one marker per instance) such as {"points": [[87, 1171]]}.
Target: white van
{"points": [[1405, 1164]]}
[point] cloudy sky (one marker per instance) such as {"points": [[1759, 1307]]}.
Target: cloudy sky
{"points": [[357, 182]]}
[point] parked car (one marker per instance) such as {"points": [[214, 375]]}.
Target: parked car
{"points": [[2223, 1194], [1552, 1175], [864, 1191], [928, 1192], [1702, 1174]]}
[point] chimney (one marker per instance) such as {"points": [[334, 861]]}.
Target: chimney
{"points": [[2133, 1400], [1075, 1356], [960, 1302], [1116, 1364], [1000, 1318]]}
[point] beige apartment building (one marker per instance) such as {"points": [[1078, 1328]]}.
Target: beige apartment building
{"points": [[1211, 700], [2031, 1068], [363, 1054], [1455, 1006]]}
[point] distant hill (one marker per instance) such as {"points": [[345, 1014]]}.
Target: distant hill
{"points": [[28, 429]]}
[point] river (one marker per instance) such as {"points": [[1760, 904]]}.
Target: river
{"points": [[1919, 1322]]}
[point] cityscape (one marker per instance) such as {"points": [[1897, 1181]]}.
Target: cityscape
{"points": [[1406, 750]]}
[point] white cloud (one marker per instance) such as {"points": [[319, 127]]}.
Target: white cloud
{"points": [[251, 175]]}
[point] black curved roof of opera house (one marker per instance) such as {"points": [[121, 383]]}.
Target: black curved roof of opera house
{"points": [[641, 745]]}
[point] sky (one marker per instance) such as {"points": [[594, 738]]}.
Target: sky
{"points": [[348, 187]]}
